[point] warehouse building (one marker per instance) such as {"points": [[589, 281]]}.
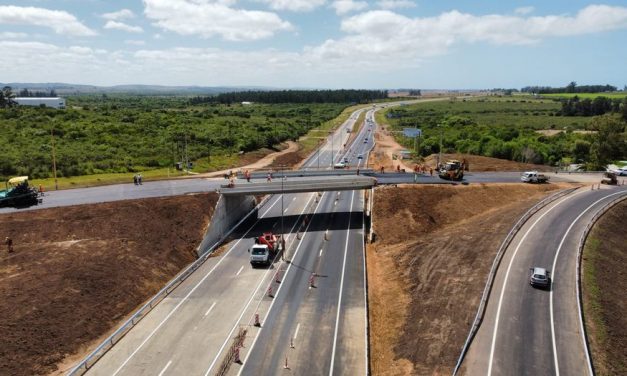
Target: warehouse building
{"points": [[39, 102]]}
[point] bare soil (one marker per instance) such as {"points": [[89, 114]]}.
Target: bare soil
{"points": [[77, 271], [428, 266], [605, 292]]}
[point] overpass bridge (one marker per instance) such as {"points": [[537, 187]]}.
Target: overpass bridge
{"points": [[297, 185]]}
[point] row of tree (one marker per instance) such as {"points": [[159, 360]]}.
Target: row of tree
{"points": [[593, 107], [570, 88], [294, 96], [7, 97], [37, 94]]}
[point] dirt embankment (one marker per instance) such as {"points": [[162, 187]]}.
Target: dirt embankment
{"points": [[605, 292], [77, 271], [428, 267]]}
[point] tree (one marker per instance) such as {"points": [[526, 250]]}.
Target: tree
{"points": [[570, 88], [7, 97], [610, 142]]}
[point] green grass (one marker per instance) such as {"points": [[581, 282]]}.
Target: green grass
{"points": [[617, 94]]}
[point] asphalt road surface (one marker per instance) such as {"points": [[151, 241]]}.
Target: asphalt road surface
{"points": [[190, 331], [530, 331]]}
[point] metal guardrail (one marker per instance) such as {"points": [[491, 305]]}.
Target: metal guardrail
{"points": [[495, 265], [114, 338], [580, 248]]}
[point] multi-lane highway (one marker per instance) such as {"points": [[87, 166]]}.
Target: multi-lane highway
{"points": [[190, 331], [528, 331]]}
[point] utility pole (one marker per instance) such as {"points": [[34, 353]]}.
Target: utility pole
{"points": [[440, 154], [54, 159]]}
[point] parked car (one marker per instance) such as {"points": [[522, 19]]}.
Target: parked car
{"points": [[539, 277]]}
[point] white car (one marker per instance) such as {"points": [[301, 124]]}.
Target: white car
{"points": [[339, 165], [621, 171]]}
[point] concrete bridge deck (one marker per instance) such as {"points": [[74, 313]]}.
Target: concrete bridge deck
{"points": [[298, 185]]}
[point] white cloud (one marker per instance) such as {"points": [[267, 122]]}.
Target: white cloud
{"points": [[135, 42], [395, 4], [119, 15], [60, 21], [523, 10], [11, 35], [115, 25], [208, 18], [346, 6], [294, 5]]}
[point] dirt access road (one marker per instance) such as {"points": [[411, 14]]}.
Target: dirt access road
{"points": [[76, 272]]}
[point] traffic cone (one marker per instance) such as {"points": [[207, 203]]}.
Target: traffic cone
{"points": [[257, 323], [236, 357], [270, 292], [291, 342], [277, 277], [286, 366], [312, 280]]}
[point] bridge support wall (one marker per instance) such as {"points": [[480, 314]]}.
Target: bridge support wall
{"points": [[229, 211]]}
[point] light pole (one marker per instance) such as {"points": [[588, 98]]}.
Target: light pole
{"points": [[54, 159], [282, 212]]}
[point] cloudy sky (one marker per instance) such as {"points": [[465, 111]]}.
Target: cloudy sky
{"points": [[315, 43]]}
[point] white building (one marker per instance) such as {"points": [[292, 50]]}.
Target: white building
{"points": [[38, 102]]}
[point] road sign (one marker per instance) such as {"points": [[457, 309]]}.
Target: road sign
{"points": [[412, 132]]}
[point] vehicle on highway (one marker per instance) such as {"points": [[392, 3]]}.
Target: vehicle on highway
{"points": [[539, 277], [534, 177], [18, 193], [265, 248], [621, 171], [339, 165], [360, 156]]}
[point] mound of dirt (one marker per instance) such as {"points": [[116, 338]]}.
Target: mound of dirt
{"points": [[605, 292], [485, 164], [428, 267], [77, 271]]}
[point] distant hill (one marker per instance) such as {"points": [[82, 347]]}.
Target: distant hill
{"points": [[72, 89]]}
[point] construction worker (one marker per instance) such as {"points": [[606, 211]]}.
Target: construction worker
{"points": [[431, 171], [398, 168], [269, 178], [247, 174], [382, 169], [41, 190], [9, 243]]}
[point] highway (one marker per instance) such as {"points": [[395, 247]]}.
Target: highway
{"points": [[529, 331], [191, 329], [320, 329]]}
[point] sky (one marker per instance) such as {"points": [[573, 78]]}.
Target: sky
{"points": [[374, 44]]}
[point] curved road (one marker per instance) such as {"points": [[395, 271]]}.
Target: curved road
{"points": [[529, 331]]}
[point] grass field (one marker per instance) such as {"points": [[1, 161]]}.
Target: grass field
{"points": [[617, 94]]}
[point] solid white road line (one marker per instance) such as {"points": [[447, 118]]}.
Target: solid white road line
{"points": [[210, 308], [296, 331], [265, 318], [165, 368], [320, 253], [559, 248], [250, 300], [186, 297], [509, 267], [240, 270], [339, 300]]}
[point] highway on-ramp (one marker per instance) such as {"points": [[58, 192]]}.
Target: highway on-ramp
{"points": [[529, 331]]}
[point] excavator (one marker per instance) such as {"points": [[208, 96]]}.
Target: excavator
{"points": [[452, 170]]}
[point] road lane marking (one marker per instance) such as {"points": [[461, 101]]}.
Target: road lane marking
{"points": [[188, 295], [240, 270], [557, 369], [252, 296], [509, 267], [165, 368], [339, 301], [265, 318], [320, 254], [296, 331], [210, 308]]}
